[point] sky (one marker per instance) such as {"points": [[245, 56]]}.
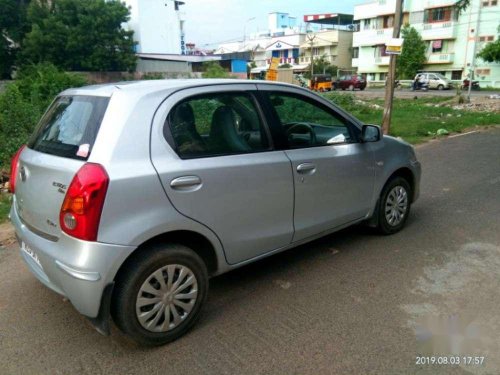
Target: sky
{"points": [[210, 22]]}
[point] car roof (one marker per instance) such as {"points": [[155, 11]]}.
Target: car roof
{"points": [[141, 88]]}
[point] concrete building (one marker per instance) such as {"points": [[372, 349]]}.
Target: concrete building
{"points": [[290, 42], [452, 39], [158, 26], [280, 22], [333, 40]]}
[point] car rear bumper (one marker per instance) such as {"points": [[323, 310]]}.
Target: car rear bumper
{"points": [[78, 270]]}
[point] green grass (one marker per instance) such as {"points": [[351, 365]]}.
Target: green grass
{"points": [[4, 207], [418, 120]]}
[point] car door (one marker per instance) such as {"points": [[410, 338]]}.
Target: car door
{"points": [[433, 81], [333, 172], [224, 171]]}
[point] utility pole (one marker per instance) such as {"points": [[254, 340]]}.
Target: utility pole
{"points": [[389, 87], [474, 49], [311, 43]]}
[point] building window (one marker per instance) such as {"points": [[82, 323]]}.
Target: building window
{"points": [[490, 3], [483, 72], [316, 51], [380, 51], [456, 75], [437, 46], [388, 21], [366, 24], [371, 76], [383, 76], [355, 52], [439, 14]]}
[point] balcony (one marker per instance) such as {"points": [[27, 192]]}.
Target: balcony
{"points": [[438, 30], [375, 8], [371, 37], [440, 58], [437, 3], [382, 60]]}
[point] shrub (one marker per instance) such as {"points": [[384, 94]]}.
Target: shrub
{"points": [[346, 101], [40, 83], [17, 119], [24, 101]]}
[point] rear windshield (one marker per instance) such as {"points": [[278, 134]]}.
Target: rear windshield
{"points": [[70, 126]]}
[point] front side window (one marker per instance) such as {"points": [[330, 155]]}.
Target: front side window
{"points": [[307, 123], [216, 124]]}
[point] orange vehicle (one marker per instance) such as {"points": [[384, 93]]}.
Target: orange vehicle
{"points": [[321, 82]]}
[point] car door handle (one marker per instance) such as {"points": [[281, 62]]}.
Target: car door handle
{"points": [[306, 168], [185, 182]]}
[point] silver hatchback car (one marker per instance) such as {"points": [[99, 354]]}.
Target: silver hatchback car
{"points": [[129, 196]]}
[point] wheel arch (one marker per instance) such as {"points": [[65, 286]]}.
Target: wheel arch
{"points": [[405, 173], [200, 244]]}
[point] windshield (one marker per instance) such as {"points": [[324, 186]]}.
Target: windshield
{"points": [[69, 127]]}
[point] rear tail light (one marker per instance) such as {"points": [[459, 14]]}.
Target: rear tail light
{"points": [[14, 167], [82, 207]]}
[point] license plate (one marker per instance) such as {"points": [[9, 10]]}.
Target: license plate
{"points": [[31, 253]]}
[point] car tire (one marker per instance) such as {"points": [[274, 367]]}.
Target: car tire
{"points": [[390, 206], [361, 88], [440, 87], [137, 282], [351, 87]]}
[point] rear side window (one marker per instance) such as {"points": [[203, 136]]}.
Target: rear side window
{"points": [[70, 126], [216, 124]]}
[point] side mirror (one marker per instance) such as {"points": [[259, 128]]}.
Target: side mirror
{"points": [[371, 133]]}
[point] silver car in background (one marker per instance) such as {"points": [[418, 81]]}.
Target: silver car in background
{"points": [[129, 196]]}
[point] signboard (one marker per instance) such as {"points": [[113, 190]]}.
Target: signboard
{"points": [[271, 75], [275, 61], [394, 46]]}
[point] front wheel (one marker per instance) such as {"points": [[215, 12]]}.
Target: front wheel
{"points": [[440, 87], [159, 295], [394, 206]]}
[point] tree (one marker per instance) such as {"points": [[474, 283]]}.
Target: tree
{"points": [[13, 26], [461, 5], [321, 66], [491, 52], [412, 56], [79, 35], [212, 69]]}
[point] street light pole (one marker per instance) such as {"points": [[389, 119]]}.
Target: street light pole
{"points": [[391, 75], [474, 49], [245, 30], [311, 43]]}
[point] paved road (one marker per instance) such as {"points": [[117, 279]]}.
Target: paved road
{"points": [[407, 93], [350, 303]]}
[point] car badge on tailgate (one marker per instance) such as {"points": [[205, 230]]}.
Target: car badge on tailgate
{"points": [[61, 187]]}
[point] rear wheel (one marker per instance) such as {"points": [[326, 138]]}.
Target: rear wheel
{"points": [[394, 206], [159, 295], [440, 87]]}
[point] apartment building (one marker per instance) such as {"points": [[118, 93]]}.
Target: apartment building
{"points": [[453, 39], [334, 45], [158, 26]]}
